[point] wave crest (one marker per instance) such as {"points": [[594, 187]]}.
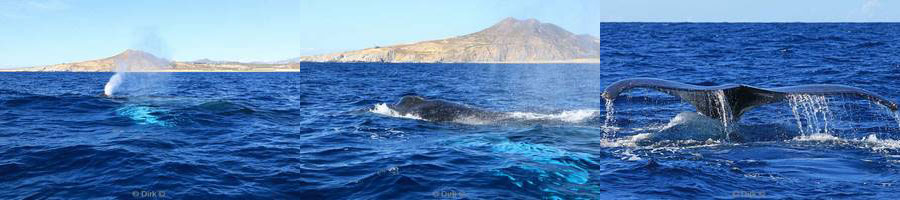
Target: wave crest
{"points": [[871, 141]]}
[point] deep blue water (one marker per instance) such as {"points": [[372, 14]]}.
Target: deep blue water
{"points": [[313, 134]]}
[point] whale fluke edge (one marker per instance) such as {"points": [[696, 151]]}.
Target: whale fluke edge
{"points": [[739, 98]]}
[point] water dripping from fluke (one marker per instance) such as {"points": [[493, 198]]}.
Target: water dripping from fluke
{"points": [[897, 118], [725, 111], [609, 124], [811, 113]]}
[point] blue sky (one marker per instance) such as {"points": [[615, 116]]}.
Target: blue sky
{"points": [[40, 32]]}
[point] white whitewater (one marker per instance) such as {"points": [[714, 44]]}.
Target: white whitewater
{"points": [[811, 113], [571, 116], [692, 126], [383, 109], [870, 142]]}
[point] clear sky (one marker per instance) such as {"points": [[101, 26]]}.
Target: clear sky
{"points": [[40, 32]]}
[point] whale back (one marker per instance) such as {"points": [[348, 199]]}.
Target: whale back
{"points": [[410, 101], [437, 110], [731, 101]]}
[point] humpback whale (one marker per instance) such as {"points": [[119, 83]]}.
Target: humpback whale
{"points": [[439, 110], [436, 110], [728, 102]]}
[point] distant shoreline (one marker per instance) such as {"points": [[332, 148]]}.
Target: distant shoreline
{"points": [[576, 61], [510, 41]]}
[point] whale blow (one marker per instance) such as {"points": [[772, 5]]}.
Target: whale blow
{"points": [[112, 84]]}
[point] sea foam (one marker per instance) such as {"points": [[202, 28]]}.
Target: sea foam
{"points": [[383, 109], [571, 116]]}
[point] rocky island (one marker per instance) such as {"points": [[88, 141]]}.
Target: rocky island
{"points": [[509, 41]]}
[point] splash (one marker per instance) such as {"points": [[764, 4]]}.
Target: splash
{"points": [[811, 113], [881, 145], [817, 137], [870, 142], [383, 109], [571, 116]]}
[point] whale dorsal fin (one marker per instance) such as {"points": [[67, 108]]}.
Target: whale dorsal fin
{"points": [[408, 101], [739, 98]]}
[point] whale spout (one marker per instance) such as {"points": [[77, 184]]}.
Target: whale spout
{"points": [[728, 102]]}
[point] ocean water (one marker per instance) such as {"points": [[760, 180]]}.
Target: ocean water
{"points": [[325, 132]]}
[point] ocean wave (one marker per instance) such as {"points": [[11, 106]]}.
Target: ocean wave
{"points": [[5, 93], [32, 100], [870, 44], [172, 111], [66, 103], [224, 107], [229, 112]]}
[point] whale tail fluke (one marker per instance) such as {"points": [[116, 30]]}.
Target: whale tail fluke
{"points": [[730, 101]]}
